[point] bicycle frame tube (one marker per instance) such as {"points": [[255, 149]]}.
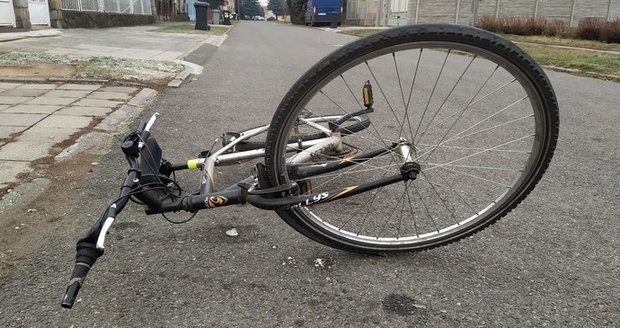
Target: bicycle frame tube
{"points": [[306, 151], [223, 157], [239, 195]]}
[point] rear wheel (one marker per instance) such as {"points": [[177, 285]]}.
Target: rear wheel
{"points": [[479, 113]]}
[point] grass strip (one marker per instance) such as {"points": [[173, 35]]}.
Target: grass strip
{"points": [[189, 28], [578, 61]]}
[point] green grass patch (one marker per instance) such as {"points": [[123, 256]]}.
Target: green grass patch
{"points": [[189, 28], [585, 61], [127, 69], [546, 52], [548, 40], [97, 67], [362, 32]]}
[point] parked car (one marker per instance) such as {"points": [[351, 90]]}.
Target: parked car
{"points": [[323, 12]]}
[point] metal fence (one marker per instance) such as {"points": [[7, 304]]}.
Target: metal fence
{"points": [[133, 7]]}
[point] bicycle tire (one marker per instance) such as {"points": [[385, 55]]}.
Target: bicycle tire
{"points": [[482, 50]]}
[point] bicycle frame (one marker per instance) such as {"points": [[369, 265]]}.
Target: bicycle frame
{"points": [[246, 191]]}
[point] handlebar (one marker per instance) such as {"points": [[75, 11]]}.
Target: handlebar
{"points": [[91, 247]]}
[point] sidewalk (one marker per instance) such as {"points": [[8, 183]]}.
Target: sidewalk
{"points": [[58, 119], [37, 118], [133, 42]]}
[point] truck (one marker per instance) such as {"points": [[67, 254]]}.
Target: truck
{"points": [[323, 12]]}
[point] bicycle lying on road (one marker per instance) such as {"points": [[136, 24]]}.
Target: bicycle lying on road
{"points": [[409, 139]]}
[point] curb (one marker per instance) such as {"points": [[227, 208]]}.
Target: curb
{"points": [[191, 68], [578, 72], [12, 36]]}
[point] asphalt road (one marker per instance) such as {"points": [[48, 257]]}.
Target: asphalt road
{"points": [[551, 262]]}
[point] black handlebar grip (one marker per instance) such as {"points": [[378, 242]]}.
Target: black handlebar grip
{"points": [[80, 270], [86, 255], [70, 295]]}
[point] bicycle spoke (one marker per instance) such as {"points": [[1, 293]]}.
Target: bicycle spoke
{"points": [[476, 177], [440, 198], [471, 127], [480, 152], [447, 97], [385, 143], [426, 208], [472, 102], [383, 93], [457, 194], [415, 226], [432, 93]]}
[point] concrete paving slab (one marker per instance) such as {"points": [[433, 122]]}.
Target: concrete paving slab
{"points": [[112, 121], [10, 169], [51, 101], [95, 143], [104, 95], [13, 100], [168, 55], [47, 134], [175, 83], [71, 86], [143, 97], [6, 131], [84, 111], [97, 103], [23, 92], [6, 85], [65, 121], [38, 86], [33, 109], [68, 93], [22, 150], [18, 119], [127, 90]]}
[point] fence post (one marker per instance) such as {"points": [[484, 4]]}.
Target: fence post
{"points": [[572, 13], [417, 11], [536, 8], [474, 12], [497, 3], [458, 10]]}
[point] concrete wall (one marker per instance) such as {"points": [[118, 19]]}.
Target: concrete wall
{"points": [[61, 18], [69, 19], [461, 11]]}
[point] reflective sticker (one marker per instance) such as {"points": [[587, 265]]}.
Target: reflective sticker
{"points": [[192, 164], [216, 201]]}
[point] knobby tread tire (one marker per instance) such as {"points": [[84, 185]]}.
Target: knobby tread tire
{"points": [[414, 33]]}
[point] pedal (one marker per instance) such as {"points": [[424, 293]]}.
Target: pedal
{"points": [[367, 95]]}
